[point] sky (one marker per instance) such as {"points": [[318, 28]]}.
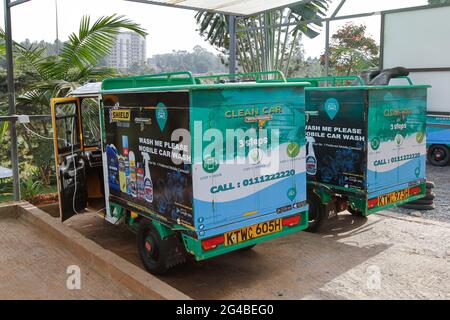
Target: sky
{"points": [[169, 29]]}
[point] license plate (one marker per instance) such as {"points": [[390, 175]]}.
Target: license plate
{"points": [[252, 232], [393, 197]]}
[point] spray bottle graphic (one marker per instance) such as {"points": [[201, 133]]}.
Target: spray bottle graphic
{"points": [[140, 181], [148, 184], [131, 185], [311, 161]]}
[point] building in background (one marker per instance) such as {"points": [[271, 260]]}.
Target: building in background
{"points": [[129, 51]]}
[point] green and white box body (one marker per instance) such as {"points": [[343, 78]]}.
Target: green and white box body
{"points": [[239, 154], [368, 141], [257, 171]]}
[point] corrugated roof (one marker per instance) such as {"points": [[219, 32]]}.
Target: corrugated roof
{"points": [[234, 7]]}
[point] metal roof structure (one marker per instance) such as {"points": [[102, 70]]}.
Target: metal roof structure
{"points": [[232, 7]]}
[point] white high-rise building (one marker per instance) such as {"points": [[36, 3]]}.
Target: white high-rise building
{"points": [[129, 50]]}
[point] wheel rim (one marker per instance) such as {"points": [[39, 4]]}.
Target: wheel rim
{"points": [[438, 154], [150, 247]]}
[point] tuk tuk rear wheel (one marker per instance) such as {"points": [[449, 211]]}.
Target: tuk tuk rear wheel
{"points": [[316, 214], [355, 212], [152, 249]]}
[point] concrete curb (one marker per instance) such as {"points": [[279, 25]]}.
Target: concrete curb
{"points": [[100, 259]]}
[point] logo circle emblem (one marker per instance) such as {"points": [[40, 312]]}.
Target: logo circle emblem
{"points": [[210, 165], [375, 143]]}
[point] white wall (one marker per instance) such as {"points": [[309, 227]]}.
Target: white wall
{"points": [[418, 39], [421, 39]]}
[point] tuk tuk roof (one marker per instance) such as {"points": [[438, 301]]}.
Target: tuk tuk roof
{"points": [[88, 90]]}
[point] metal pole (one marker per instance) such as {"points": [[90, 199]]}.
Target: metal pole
{"points": [[382, 34], [266, 43], [11, 100], [57, 29], [327, 48], [232, 31]]}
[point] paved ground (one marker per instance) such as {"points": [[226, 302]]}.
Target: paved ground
{"points": [[391, 255], [441, 177], [33, 266], [387, 256]]}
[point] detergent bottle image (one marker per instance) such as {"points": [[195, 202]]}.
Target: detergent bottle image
{"points": [[126, 160], [148, 184], [140, 181], [131, 186], [311, 161], [113, 167], [122, 176]]}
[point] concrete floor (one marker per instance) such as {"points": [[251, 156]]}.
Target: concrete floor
{"points": [[387, 256], [34, 266]]}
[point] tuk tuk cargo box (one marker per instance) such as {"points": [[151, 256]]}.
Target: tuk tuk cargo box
{"points": [[366, 145], [199, 168]]}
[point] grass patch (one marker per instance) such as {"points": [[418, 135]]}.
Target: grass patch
{"points": [[5, 197]]}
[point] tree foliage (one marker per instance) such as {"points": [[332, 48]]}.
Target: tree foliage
{"points": [[41, 75], [352, 50], [199, 61], [270, 42]]}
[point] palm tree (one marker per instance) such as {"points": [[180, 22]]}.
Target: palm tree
{"points": [[41, 77], [57, 76], [265, 49]]}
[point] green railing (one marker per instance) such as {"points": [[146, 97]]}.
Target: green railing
{"points": [[339, 80], [333, 81], [258, 76], [153, 80]]}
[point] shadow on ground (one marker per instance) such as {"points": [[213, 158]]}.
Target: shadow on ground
{"points": [[292, 267]]}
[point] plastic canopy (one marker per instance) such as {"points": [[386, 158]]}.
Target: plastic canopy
{"points": [[5, 173], [233, 7]]}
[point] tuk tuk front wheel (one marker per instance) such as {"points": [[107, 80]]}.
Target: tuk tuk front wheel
{"points": [[152, 249]]}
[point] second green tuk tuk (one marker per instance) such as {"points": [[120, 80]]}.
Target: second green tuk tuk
{"points": [[366, 146]]}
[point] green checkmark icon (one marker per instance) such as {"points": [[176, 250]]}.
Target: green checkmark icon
{"points": [[293, 150]]}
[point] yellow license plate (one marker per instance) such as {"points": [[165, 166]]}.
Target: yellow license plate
{"points": [[252, 232], [393, 197]]}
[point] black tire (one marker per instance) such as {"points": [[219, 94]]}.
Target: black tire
{"points": [[152, 249], [430, 185], [419, 207], [316, 214], [355, 212], [439, 155], [429, 196], [421, 202]]}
